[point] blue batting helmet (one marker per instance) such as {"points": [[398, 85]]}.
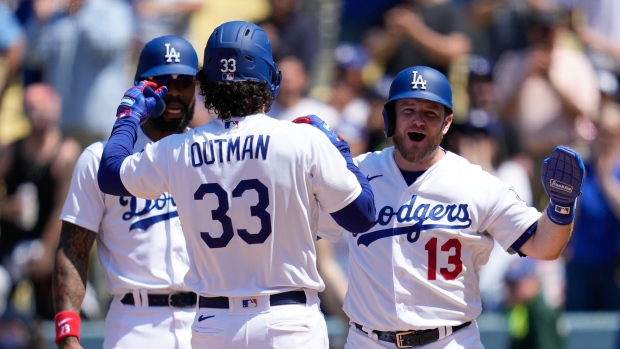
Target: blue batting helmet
{"points": [[167, 55], [416, 82], [241, 51]]}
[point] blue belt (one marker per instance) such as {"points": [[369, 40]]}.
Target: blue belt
{"points": [[291, 297], [174, 300]]}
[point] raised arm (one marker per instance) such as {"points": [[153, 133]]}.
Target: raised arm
{"points": [[137, 105], [358, 216], [562, 177]]}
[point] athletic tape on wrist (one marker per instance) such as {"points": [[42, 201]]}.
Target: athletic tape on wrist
{"points": [[561, 214], [67, 323]]}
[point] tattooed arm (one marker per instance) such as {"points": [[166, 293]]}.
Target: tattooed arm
{"points": [[70, 272]]}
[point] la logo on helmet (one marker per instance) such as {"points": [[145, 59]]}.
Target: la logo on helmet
{"points": [[418, 79], [172, 53]]}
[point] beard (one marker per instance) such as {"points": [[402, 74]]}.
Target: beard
{"points": [[433, 142], [176, 125]]}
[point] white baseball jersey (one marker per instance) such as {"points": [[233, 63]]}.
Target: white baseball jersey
{"points": [[248, 192], [139, 242], [417, 267]]}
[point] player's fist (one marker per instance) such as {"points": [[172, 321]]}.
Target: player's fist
{"points": [[317, 122], [562, 177], [142, 102]]}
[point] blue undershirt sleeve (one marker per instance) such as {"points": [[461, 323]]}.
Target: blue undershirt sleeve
{"points": [[119, 146], [358, 216]]}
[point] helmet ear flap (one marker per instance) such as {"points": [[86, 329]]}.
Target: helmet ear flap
{"points": [[389, 119], [275, 85]]}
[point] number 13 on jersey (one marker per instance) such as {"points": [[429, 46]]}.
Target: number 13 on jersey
{"points": [[450, 253]]}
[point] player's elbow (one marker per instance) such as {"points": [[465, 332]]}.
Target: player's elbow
{"points": [[109, 180], [356, 217], [360, 225]]}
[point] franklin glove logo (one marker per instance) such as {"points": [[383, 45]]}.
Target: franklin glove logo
{"points": [[561, 186], [128, 101]]}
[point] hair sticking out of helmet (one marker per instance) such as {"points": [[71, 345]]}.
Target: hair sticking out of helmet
{"points": [[416, 82], [240, 51], [166, 55]]}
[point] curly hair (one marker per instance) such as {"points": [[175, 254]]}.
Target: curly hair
{"points": [[236, 98]]}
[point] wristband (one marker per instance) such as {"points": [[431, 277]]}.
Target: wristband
{"points": [[561, 214], [67, 323]]}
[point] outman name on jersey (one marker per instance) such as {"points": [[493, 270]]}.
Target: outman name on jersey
{"points": [[231, 149]]}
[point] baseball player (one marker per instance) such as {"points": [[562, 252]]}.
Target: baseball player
{"points": [[248, 189], [414, 274], [139, 242]]}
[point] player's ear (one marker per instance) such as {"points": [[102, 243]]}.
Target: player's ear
{"points": [[447, 121]]}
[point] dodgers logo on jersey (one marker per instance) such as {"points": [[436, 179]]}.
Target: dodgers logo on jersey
{"points": [[250, 303], [172, 53], [417, 80], [425, 215], [147, 208]]}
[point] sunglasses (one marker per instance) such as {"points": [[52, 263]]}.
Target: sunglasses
{"points": [[183, 81]]}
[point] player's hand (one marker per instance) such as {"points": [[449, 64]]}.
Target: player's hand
{"points": [[142, 102], [317, 122], [562, 177]]}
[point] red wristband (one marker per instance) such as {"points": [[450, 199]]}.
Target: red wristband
{"points": [[67, 323]]}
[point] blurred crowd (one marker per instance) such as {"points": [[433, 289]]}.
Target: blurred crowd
{"points": [[527, 75]]}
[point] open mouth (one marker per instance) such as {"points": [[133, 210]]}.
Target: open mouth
{"points": [[175, 109], [416, 137]]}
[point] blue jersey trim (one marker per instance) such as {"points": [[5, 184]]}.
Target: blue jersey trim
{"points": [[516, 246]]}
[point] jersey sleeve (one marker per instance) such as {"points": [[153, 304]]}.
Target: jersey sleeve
{"points": [[333, 184], [510, 217], [85, 205], [145, 174], [328, 228]]}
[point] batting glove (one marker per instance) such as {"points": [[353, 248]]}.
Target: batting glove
{"points": [[562, 177], [317, 122], [142, 102]]}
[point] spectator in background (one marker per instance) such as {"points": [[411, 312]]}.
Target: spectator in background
{"points": [[12, 47], [479, 140], [482, 94], [155, 18], [596, 234], [292, 32], [424, 32], [357, 16], [532, 323], [377, 96], [292, 100], [547, 90], [36, 171], [499, 26], [596, 24], [83, 52], [348, 95]]}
